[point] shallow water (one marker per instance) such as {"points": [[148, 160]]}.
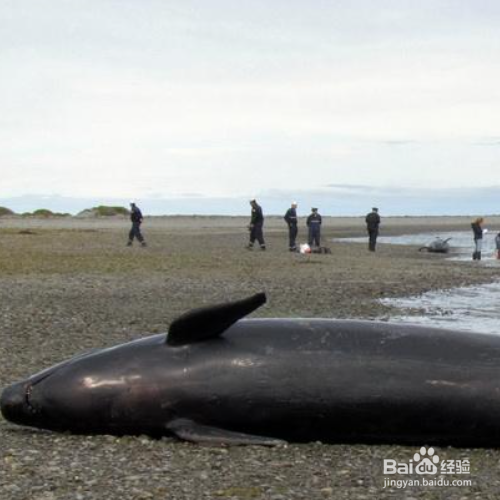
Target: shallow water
{"points": [[473, 308], [461, 243]]}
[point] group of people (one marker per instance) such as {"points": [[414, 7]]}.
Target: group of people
{"points": [[257, 221], [313, 223]]}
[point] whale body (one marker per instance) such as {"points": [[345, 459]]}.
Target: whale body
{"points": [[216, 378], [438, 246]]}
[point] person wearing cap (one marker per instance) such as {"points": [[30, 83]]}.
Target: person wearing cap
{"points": [[314, 224], [291, 220], [256, 225], [372, 223], [135, 230]]}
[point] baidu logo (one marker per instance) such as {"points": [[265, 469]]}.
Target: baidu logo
{"points": [[427, 461]]}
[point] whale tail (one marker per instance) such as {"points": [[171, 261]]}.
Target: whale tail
{"points": [[210, 322]]}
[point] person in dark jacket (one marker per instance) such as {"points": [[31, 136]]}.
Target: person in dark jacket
{"points": [[135, 230], [314, 224], [256, 225], [477, 231], [291, 220], [372, 223]]}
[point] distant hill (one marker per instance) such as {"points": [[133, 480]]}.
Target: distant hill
{"points": [[4, 212], [104, 211], [45, 213]]}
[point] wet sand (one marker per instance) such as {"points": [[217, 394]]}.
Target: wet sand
{"points": [[71, 284]]}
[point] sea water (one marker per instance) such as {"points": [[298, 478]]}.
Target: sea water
{"points": [[460, 242], [472, 308]]}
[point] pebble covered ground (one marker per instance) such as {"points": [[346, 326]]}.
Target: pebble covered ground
{"points": [[69, 287]]}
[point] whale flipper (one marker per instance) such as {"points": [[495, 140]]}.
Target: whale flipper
{"points": [[188, 430], [210, 322]]}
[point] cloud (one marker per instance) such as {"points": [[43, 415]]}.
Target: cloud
{"points": [[399, 142], [223, 100], [492, 141]]}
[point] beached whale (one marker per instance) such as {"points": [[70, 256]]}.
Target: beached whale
{"points": [[216, 378], [438, 246]]}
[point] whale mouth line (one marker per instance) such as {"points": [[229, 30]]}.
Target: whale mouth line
{"points": [[33, 409]]}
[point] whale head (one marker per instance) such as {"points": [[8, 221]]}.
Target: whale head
{"points": [[20, 403], [95, 392]]}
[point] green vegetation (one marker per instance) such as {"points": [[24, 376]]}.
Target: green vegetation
{"points": [[4, 211], [45, 213], [99, 252], [103, 211], [42, 212]]}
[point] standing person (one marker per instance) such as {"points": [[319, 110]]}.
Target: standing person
{"points": [[497, 244], [314, 225], [291, 220], [256, 224], [477, 230], [135, 230], [372, 223]]}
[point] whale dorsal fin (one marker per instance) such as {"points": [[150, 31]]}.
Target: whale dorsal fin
{"points": [[210, 322]]}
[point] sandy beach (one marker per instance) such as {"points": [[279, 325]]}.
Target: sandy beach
{"points": [[71, 284]]}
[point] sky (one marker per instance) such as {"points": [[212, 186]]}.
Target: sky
{"points": [[196, 106]]}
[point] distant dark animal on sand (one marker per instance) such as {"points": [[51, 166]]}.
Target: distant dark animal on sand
{"points": [[437, 246], [321, 250]]}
